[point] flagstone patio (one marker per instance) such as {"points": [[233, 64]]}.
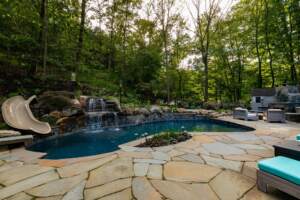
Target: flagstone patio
{"points": [[209, 166]]}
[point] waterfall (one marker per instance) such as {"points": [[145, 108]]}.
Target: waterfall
{"points": [[103, 104], [99, 114], [91, 105], [94, 122], [116, 120]]}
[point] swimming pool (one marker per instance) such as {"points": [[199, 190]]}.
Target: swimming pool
{"points": [[87, 142]]}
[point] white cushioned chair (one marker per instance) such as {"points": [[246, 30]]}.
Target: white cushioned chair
{"points": [[242, 113]]}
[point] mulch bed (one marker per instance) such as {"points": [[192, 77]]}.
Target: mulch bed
{"points": [[165, 138]]}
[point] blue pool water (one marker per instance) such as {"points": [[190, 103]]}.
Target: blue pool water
{"points": [[87, 142]]}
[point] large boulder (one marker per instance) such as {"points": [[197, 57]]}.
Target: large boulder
{"points": [[68, 124], [56, 114], [72, 111], [166, 109], [83, 100], [155, 109], [143, 111], [48, 102], [128, 111], [57, 104], [113, 104]]}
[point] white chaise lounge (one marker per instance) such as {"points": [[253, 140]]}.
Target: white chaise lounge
{"points": [[242, 113], [275, 115]]}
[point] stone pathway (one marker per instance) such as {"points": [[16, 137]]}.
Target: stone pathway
{"points": [[210, 166]]}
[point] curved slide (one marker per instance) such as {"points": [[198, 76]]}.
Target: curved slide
{"points": [[17, 114]]}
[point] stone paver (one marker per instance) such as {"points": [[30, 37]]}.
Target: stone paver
{"points": [[128, 148], [10, 165], [226, 164], [244, 137], [143, 190], [28, 183], [50, 198], [145, 155], [123, 195], [20, 196], [249, 146], [155, 172], [262, 153], [119, 168], [180, 191], [249, 169], [200, 168], [231, 185], [17, 174], [150, 161], [203, 139], [270, 139], [164, 148], [78, 168], [222, 149], [201, 151], [76, 193], [160, 156], [245, 157], [26, 156], [57, 187], [140, 169], [109, 188], [189, 172], [174, 153], [192, 158]]}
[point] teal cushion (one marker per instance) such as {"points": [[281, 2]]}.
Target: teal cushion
{"points": [[282, 167], [298, 137]]}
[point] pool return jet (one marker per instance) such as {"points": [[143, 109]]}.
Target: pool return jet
{"points": [[17, 114]]}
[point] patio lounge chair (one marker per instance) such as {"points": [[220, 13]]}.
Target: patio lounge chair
{"points": [[275, 115], [242, 113], [281, 173]]}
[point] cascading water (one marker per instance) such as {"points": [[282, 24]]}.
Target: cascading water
{"points": [[91, 105], [103, 104], [99, 114]]}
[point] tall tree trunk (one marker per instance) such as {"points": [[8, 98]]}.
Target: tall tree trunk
{"points": [[287, 26], [205, 62], [80, 36], [44, 34], [166, 60], [123, 66], [267, 39], [259, 78], [291, 49], [240, 80], [297, 21], [111, 55]]}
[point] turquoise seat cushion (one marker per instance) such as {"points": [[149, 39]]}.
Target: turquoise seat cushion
{"points": [[298, 137], [282, 167]]}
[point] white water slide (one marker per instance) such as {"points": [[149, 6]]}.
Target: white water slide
{"points": [[17, 114]]}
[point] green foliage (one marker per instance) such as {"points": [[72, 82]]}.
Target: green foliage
{"points": [[54, 102], [51, 120], [135, 59], [4, 126]]}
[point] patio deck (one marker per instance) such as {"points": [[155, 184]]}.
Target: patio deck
{"points": [[209, 166]]}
